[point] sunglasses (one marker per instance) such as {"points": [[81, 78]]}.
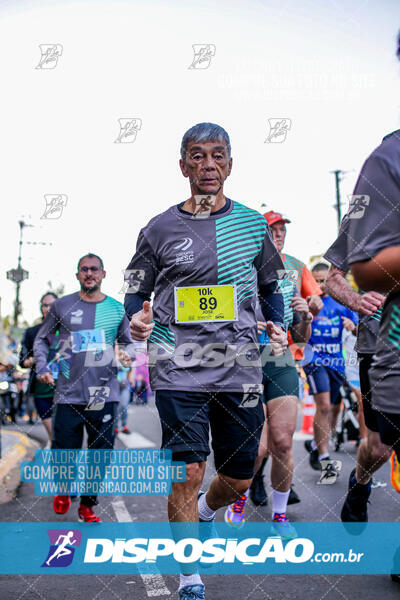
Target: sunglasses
{"points": [[86, 269]]}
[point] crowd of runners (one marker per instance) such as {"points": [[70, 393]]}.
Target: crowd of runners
{"points": [[236, 331]]}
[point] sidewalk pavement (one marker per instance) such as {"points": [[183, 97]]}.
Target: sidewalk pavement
{"points": [[15, 447]]}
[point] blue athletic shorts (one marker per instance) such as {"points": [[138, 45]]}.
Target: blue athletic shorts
{"points": [[324, 379]]}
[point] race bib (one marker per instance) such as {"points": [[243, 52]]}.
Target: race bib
{"points": [[205, 303], [88, 340]]}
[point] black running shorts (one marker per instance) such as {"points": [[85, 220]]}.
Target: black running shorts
{"points": [[235, 419], [370, 414]]}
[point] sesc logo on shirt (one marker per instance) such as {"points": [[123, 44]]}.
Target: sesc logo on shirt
{"points": [[76, 317], [184, 257]]}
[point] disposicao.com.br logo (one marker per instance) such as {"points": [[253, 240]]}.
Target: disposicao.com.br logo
{"points": [[162, 547], [62, 547], [189, 550]]}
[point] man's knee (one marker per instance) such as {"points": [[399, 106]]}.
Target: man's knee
{"points": [[194, 474], [237, 486], [322, 406], [281, 444]]}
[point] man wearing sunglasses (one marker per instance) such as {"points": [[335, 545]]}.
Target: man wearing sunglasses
{"points": [[87, 324]]}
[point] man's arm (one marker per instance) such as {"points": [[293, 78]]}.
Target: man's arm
{"points": [[271, 303], [41, 344], [302, 319], [379, 273], [374, 237], [125, 343], [340, 289], [26, 359], [272, 307], [140, 277]]}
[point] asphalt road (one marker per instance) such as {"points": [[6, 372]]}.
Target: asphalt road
{"points": [[318, 503]]}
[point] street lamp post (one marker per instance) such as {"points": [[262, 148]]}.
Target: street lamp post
{"points": [[18, 275]]}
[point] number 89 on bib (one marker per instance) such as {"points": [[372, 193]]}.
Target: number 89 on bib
{"points": [[205, 303]]}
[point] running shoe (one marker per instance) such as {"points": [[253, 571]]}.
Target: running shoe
{"points": [[116, 430], [258, 494], [234, 514], [125, 430], [293, 496], [313, 458], [282, 527], [61, 504], [355, 507], [87, 515], [192, 592], [395, 472]]}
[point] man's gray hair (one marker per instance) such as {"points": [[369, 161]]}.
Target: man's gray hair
{"points": [[205, 132]]}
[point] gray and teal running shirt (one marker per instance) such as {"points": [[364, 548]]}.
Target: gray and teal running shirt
{"points": [[178, 249], [368, 326], [374, 225], [87, 332]]}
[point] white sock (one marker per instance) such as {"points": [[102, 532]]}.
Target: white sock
{"points": [[314, 445], [323, 456], [189, 580], [205, 512], [279, 501]]}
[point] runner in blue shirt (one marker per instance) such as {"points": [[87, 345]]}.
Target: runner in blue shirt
{"points": [[324, 366]]}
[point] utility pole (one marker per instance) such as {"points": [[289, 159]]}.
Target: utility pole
{"points": [[338, 178]]}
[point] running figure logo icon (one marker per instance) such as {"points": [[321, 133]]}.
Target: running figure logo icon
{"points": [[62, 547], [357, 205], [50, 53], [98, 396], [203, 54], [251, 395], [128, 129], [278, 129], [55, 203]]}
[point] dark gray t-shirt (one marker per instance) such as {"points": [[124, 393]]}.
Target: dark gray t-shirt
{"points": [[368, 327], [178, 249], [374, 225], [87, 332]]}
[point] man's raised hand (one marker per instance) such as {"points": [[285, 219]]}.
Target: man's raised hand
{"points": [[141, 324]]}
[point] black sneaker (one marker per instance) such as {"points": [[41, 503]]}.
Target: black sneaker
{"points": [[258, 494], [313, 458], [355, 506], [293, 497]]}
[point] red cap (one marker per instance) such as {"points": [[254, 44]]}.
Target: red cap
{"points": [[275, 217]]}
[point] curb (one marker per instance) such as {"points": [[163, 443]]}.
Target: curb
{"points": [[9, 464]]}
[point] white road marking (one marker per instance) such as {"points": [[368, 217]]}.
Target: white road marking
{"points": [[298, 435], [154, 582], [121, 512], [135, 440]]}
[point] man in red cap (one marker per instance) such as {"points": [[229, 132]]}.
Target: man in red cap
{"points": [[306, 284], [311, 292]]}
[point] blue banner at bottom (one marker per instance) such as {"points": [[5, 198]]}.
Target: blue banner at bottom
{"points": [[257, 548]]}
